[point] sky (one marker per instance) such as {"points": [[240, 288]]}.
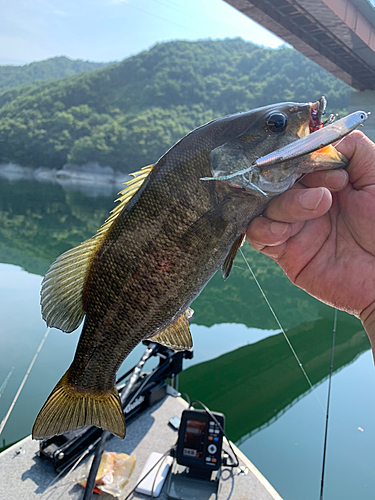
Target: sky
{"points": [[111, 30]]}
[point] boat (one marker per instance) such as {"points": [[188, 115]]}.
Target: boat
{"points": [[50, 469]]}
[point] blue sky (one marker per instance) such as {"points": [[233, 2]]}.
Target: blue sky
{"points": [[110, 30]]}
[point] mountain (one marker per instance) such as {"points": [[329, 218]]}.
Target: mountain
{"points": [[128, 114], [56, 67]]}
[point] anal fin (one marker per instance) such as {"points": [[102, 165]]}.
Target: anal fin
{"points": [[228, 263], [177, 336]]}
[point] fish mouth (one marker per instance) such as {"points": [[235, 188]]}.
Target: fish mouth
{"points": [[314, 121], [318, 110]]}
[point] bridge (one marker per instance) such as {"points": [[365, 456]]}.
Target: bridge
{"points": [[339, 35]]}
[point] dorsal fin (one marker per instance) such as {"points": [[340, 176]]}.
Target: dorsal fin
{"points": [[126, 195], [63, 284], [177, 336], [228, 263]]}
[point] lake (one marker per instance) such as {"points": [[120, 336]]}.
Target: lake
{"points": [[242, 365]]}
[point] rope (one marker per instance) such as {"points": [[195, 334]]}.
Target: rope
{"points": [[5, 419]]}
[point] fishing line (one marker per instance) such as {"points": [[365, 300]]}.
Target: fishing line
{"points": [[5, 419], [70, 468], [158, 17], [72, 481], [5, 383], [328, 401], [281, 328], [65, 484]]}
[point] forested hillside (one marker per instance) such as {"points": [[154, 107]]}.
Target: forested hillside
{"points": [[127, 114], [56, 67]]}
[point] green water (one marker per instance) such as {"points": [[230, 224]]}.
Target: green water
{"points": [[242, 365]]}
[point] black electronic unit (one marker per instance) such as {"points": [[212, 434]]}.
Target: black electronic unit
{"points": [[200, 441], [196, 468]]}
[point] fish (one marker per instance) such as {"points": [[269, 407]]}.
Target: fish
{"points": [[170, 232]]}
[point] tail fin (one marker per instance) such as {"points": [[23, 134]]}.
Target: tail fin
{"points": [[67, 409]]}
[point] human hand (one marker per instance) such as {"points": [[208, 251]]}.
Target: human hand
{"points": [[323, 237]]}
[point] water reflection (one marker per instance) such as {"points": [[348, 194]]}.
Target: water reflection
{"points": [[40, 221], [262, 380], [242, 366]]}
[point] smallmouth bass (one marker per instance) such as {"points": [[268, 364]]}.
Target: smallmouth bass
{"points": [[170, 233]]}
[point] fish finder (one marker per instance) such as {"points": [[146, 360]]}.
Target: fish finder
{"points": [[197, 461], [200, 440]]}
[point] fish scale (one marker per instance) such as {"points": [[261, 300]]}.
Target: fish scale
{"points": [[155, 254]]}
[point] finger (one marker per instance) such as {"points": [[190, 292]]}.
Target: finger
{"points": [[361, 153], [334, 180], [264, 232], [294, 254], [274, 250], [275, 253], [299, 205], [304, 247]]}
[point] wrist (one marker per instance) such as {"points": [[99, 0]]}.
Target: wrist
{"points": [[368, 321]]}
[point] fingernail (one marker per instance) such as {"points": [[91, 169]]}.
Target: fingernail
{"points": [[336, 179], [311, 199], [278, 228]]}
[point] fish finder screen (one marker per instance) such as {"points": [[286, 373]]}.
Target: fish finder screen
{"points": [[194, 438]]}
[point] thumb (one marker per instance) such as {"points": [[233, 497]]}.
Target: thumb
{"points": [[360, 152]]}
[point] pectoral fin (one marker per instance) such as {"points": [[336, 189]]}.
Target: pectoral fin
{"points": [[228, 263], [177, 336], [62, 287]]}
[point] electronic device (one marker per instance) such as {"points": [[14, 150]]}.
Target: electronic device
{"points": [[152, 484], [200, 440], [197, 463]]}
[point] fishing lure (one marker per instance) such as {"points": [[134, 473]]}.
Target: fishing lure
{"points": [[308, 144]]}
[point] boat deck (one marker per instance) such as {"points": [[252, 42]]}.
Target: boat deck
{"points": [[26, 476]]}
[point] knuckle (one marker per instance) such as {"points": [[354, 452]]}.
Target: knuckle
{"points": [[276, 253]]}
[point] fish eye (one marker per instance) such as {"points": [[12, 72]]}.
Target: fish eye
{"points": [[277, 122]]}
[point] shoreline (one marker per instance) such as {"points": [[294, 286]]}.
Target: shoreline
{"points": [[91, 179], [90, 172]]}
